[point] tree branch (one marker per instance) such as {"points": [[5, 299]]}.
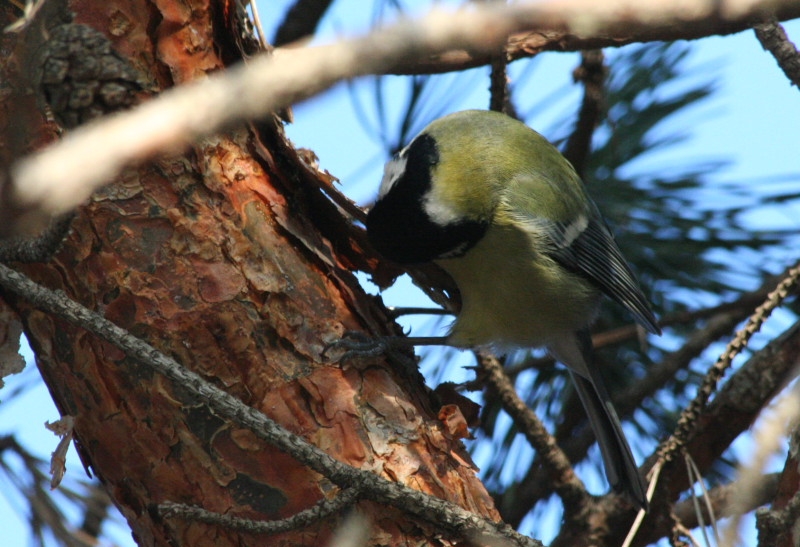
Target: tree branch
{"points": [[592, 72], [687, 424], [319, 511], [499, 96], [62, 176], [732, 411], [557, 466], [721, 498], [39, 248], [530, 43], [773, 39]]}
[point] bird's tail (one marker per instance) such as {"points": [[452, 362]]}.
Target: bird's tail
{"points": [[621, 470], [575, 351]]}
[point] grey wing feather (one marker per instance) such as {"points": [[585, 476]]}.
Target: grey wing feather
{"points": [[594, 254]]}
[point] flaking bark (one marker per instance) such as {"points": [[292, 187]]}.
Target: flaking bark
{"points": [[213, 257]]}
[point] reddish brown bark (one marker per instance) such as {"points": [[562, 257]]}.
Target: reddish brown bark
{"points": [[226, 259], [789, 486]]}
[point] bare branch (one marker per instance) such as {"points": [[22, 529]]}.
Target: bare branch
{"points": [[558, 467], [592, 72], [321, 510], [39, 248], [722, 497], [500, 99], [59, 178], [529, 43], [688, 421], [773, 38]]}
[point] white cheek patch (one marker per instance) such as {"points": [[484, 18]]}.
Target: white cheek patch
{"points": [[392, 172], [439, 212]]}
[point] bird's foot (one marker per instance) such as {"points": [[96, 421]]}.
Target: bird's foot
{"points": [[357, 345]]}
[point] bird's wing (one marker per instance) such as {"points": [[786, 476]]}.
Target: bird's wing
{"points": [[594, 254], [583, 245]]}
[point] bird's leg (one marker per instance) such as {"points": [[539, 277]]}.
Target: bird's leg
{"points": [[357, 344], [395, 312]]}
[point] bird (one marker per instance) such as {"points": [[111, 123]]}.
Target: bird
{"points": [[503, 212]]}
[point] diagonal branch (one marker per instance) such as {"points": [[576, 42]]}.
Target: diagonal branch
{"points": [[773, 38], [62, 176], [721, 499], [687, 424], [319, 511], [557, 465]]}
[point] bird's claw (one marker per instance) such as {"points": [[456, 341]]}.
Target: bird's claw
{"points": [[358, 345]]}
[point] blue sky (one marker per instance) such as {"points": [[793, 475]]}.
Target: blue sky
{"points": [[752, 120]]}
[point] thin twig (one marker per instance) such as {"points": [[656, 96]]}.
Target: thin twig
{"points": [[565, 482], [262, 39], [637, 522], [695, 476], [37, 249], [321, 510], [499, 96], [592, 72], [773, 39], [721, 500], [688, 420], [429, 508]]}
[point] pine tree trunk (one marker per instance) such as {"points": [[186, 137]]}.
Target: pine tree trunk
{"points": [[228, 258]]}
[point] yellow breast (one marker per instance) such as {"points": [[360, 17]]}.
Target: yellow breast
{"points": [[513, 297]]}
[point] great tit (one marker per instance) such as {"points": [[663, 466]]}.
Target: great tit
{"points": [[504, 213]]}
